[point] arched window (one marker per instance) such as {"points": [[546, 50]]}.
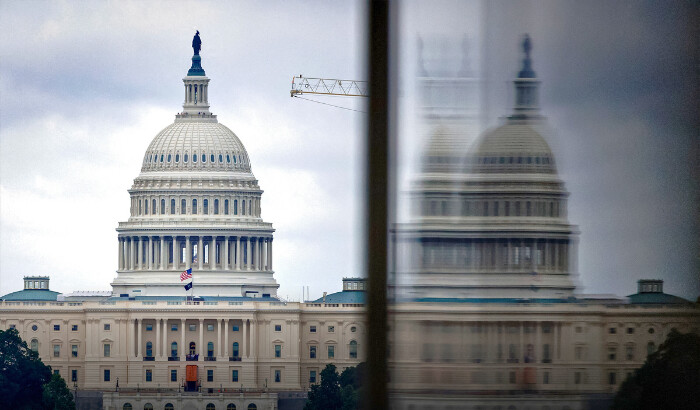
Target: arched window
{"points": [[140, 207], [145, 207], [206, 206], [221, 158], [173, 349], [169, 406], [235, 349], [353, 349], [210, 349], [186, 158], [252, 406], [162, 206], [149, 349], [194, 206], [216, 207], [243, 207], [148, 406], [211, 406], [234, 159], [170, 157], [212, 158], [228, 159], [161, 158], [153, 202], [35, 345], [194, 158], [177, 157], [651, 348], [193, 348], [231, 406], [183, 207], [127, 406], [235, 206], [204, 158], [226, 206], [172, 206]]}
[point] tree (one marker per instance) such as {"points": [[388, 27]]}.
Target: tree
{"points": [[669, 379], [25, 382], [337, 392], [56, 395]]}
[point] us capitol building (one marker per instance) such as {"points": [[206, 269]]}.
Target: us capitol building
{"points": [[486, 315]]}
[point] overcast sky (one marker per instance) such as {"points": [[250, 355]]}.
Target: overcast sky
{"points": [[85, 86]]}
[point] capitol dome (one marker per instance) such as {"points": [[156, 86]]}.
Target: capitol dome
{"points": [[512, 148], [196, 213], [497, 228], [198, 143]]}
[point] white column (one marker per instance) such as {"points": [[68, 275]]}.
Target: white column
{"points": [[139, 253], [188, 252], [263, 256], [132, 261], [238, 253], [218, 337], [244, 341], [253, 338], [269, 263], [201, 338], [162, 252], [150, 253], [183, 349], [200, 253], [157, 343], [521, 353], [226, 338], [139, 324], [226, 253], [176, 253], [130, 338], [538, 343], [212, 253], [248, 255], [165, 338], [121, 253], [88, 338], [254, 254]]}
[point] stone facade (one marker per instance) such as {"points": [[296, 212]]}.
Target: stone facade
{"points": [[486, 312]]}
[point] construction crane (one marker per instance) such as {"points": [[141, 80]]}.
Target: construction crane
{"points": [[327, 86]]}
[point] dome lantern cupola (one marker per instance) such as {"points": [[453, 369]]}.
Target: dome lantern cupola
{"points": [[526, 87], [196, 84]]}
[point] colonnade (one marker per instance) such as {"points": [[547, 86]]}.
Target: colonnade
{"points": [[223, 344], [196, 92], [163, 252], [491, 342], [512, 254]]}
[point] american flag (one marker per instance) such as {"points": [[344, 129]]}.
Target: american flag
{"points": [[186, 275]]}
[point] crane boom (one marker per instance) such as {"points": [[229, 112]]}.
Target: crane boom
{"points": [[328, 86]]}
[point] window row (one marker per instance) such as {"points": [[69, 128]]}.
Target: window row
{"points": [[527, 254], [447, 207], [520, 160], [250, 206], [209, 406], [194, 158], [34, 345], [630, 330], [479, 352]]}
